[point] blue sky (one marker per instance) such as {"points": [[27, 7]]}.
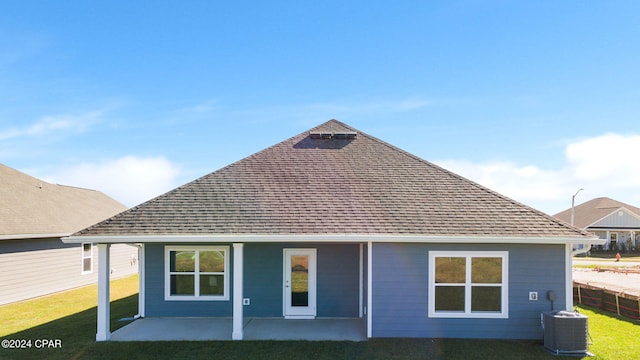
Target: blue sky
{"points": [[532, 99]]}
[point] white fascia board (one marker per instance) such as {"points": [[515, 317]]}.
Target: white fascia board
{"points": [[337, 238], [33, 236]]}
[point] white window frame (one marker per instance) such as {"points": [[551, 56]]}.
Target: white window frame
{"points": [[84, 257], [196, 273], [467, 313]]}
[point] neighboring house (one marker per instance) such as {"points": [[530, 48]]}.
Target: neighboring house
{"points": [[614, 221], [34, 215], [334, 223]]}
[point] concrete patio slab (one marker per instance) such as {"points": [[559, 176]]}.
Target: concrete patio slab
{"points": [[208, 329], [175, 329], [316, 330]]}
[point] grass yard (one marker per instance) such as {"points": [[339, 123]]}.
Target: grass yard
{"points": [[612, 336], [71, 317]]}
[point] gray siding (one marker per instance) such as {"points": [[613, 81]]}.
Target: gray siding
{"points": [[337, 282], [616, 221], [35, 267], [400, 292]]}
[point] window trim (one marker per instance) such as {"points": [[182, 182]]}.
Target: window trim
{"points": [[83, 258], [468, 255], [196, 273]]}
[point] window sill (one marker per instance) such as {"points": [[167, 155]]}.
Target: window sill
{"points": [[196, 298]]}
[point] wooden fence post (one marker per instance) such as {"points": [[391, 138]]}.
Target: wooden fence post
{"points": [[579, 295]]}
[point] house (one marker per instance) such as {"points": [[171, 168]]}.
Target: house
{"points": [[613, 221], [335, 223], [34, 216]]}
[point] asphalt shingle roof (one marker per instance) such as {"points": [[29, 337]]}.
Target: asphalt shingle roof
{"points": [[594, 210], [305, 185], [30, 206]]}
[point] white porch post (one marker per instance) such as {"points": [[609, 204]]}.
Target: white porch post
{"points": [[568, 278], [361, 282], [141, 281], [369, 288], [104, 328], [238, 266]]}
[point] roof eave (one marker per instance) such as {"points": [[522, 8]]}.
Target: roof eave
{"points": [[337, 238], [33, 236]]}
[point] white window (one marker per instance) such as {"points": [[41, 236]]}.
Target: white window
{"points": [[468, 284], [87, 258], [196, 273]]}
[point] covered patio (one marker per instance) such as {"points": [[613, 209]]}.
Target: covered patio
{"points": [[215, 329]]}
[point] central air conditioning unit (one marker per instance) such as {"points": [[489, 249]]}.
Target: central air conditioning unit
{"points": [[565, 333]]}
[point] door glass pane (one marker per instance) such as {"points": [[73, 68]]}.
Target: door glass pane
{"points": [[299, 280]]}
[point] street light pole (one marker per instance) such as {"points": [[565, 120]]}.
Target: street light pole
{"points": [[573, 200]]}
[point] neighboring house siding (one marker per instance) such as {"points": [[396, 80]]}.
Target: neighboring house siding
{"points": [[601, 234], [37, 267], [123, 260], [400, 292], [616, 221], [337, 282]]}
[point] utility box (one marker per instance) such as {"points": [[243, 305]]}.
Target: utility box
{"points": [[565, 333]]}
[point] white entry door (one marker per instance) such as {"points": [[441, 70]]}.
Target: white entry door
{"points": [[300, 283]]}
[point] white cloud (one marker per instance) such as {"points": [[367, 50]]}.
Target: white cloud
{"points": [[202, 108], [130, 179], [610, 158], [54, 123], [605, 165]]}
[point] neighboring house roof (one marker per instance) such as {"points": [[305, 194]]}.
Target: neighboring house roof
{"points": [[590, 212], [32, 208], [308, 185]]}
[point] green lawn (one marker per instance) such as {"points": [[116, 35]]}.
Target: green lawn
{"points": [[71, 317], [613, 336]]}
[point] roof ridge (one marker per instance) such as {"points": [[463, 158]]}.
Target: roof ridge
{"points": [[76, 187]]}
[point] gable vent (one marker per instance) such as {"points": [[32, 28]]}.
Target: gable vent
{"points": [[349, 135]]}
